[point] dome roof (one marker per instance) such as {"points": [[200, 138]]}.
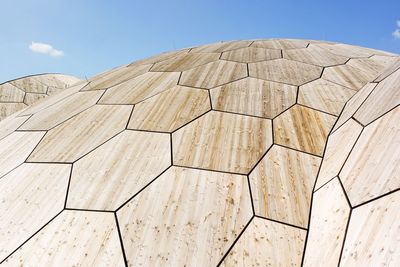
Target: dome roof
{"points": [[274, 152]]}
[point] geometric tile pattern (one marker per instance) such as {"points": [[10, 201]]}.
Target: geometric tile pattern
{"points": [[262, 152]]}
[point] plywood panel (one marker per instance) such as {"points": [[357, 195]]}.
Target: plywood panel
{"points": [[266, 243], [140, 88], [282, 185], [338, 148], [329, 216], [15, 148], [170, 109], [281, 44], [160, 57], [251, 54], [10, 93], [348, 76], [74, 238], [388, 70], [303, 128], [324, 95], [373, 235], [374, 65], [314, 55], [221, 47], [222, 141], [347, 50], [373, 167], [10, 124], [31, 98], [255, 97], [213, 74], [133, 160], [6, 109], [186, 217], [285, 71], [31, 195], [82, 133], [185, 61], [30, 85]]}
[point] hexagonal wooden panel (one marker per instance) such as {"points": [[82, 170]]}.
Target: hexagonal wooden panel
{"points": [[222, 141], [185, 61], [221, 47], [348, 76], [314, 55], [251, 54], [280, 44]]}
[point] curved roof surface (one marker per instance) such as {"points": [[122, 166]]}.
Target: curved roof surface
{"points": [[246, 153]]}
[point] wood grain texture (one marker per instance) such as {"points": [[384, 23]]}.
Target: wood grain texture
{"points": [[15, 148], [280, 44], [80, 134], [303, 128], [186, 217], [373, 167], [325, 96], [62, 111], [314, 55], [329, 216], [251, 54], [133, 160], [348, 76], [31, 98], [255, 97], [282, 185], [10, 124], [31, 195], [11, 93], [383, 98], [160, 57], [213, 74], [337, 150], [346, 50], [6, 109], [285, 71], [74, 238], [373, 235], [388, 70], [185, 61], [374, 65], [222, 141], [30, 85], [266, 243], [170, 109], [221, 47], [140, 88]]}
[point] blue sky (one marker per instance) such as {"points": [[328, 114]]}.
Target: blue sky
{"points": [[94, 36]]}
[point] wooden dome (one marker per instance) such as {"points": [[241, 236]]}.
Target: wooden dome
{"points": [[247, 153]]}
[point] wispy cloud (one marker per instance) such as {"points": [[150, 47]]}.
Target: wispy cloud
{"points": [[398, 23], [396, 34], [47, 49]]}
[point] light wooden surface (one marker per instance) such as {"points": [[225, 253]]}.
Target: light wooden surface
{"points": [[348, 50], [160, 57], [338, 148], [186, 217], [185, 61], [31, 98], [251, 54], [222, 141], [348, 76], [140, 88], [280, 43], [388, 70], [266, 243], [374, 65], [31, 195], [373, 167], [74, 238], [373, 235], [6, 109], [213, 74], [11, 93], [133, 160], [303, 128], [282, 184], [255, 97], [10, 124], [325, 96], [170, 109], [80, 134], [314, 55], [221, 47], [329, 216], [284, 71]]}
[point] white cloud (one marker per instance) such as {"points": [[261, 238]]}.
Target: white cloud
{"points": [[47, 49], [398, 23], [396, 34]]}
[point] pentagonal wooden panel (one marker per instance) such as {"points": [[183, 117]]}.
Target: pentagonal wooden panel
{"points": [[10, 93], [285, 71], [62, 110], [133, 160], [385, 96], [221, 47], [373, 167], [31, 195], [72, 139], [186, 217], [337, 150], [170, 109], [281, 44], [255, 97], [15, 148], [222, 141], [303, 128], [140, 88], [213, 74], [31, 98], [6, 109], [30, 85], [373, 234], [282, 185], [348, 76], [266, 243], [10, 124], [73, 238], [185, 61], [314, 55], [251, 54], [329, 217], [325, 96], [114, 77]]}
